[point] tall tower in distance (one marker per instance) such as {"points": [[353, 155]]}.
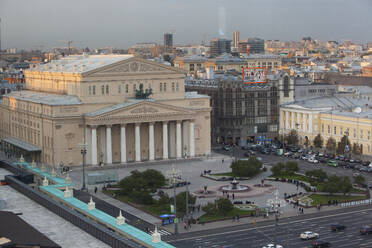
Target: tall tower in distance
{"points": [[236, 38], [168, 42]]}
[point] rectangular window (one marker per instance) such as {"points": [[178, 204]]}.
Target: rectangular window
{"points": [[119, 89], [341, 131], [329, 129], [369, 135], [322, 128], [334, 130], [354, 134], [94, 89], [191, 67], [89, 90], [177, 87], [102, 90], [173, 86], [107, 90], [361, 134], [161, 87], [126, 88], [165, 87]]}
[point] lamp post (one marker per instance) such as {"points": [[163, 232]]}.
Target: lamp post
{"points": [[173, 174], [187, 203], [276, 203], [83, 153]]}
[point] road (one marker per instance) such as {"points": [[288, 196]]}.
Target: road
{"points": [[289, 230], [303, 165]]}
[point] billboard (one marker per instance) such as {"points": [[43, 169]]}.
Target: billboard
{"points": [[254, 75]]}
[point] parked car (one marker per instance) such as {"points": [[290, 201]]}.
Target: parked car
{"points": [[332, 163], [272, 246], [365, 230], [321, 244], [337, 227], [313, 160], [323, 160], [321, 154], [309, 235]]}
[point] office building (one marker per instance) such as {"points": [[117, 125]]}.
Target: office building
{"points": [[219, 46], [168, 42], [236, 38]]}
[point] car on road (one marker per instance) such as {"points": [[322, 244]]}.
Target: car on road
{"points": [[337, 227], [321, 244], [227, 148], [309, 235], [365, 230], [272, 246], [332, 163]]}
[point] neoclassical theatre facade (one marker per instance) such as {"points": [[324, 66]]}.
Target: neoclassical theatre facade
{"points": [[98, 102]]}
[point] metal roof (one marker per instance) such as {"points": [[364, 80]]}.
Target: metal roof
{"points": [[23, 145]]}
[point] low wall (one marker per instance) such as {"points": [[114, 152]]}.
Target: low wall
{"points": [[100, 232]]}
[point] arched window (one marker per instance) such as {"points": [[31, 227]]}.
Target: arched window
{"points": [[286, 86]]}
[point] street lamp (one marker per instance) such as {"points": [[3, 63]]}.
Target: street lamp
{"points": [[83, 153], [173, 174], [276, 203]]}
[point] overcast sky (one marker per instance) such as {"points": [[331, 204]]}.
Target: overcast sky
{"points": [[122, 23]]}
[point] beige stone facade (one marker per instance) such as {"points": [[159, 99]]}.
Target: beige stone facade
{"points": [[89, 101]]}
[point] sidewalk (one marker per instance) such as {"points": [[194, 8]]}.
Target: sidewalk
{"points": [[248, 220]]}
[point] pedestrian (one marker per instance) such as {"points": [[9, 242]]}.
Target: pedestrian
{"points": [[228, 196], [233, 218], [233, 196], [223, 161], [237, 217], [185, 224], [302, 210], [147, 230], [95, 190]]}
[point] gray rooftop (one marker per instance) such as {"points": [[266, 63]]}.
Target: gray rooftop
{"points": [[22, 144], [116, 106], [44, 98], [80, 63]]}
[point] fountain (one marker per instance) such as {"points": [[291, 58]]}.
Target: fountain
{"points": [[234, 187]]}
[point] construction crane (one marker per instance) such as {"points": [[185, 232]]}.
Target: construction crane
{"points": [[68, 43]]}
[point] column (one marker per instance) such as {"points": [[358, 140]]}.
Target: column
{"points": [[165, 140], [151, 142], [178, 140], [298, 121], [138, 142], [108, 145], [311, 123], [123, 144], [185, 144], [94, 145], [304, 122], [192, 139], [286, 120], [293, 122]]}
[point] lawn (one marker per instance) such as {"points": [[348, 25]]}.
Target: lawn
{"points": [[226, 174], [297, 177], [219, 216], [155, 210], [323, 199]]}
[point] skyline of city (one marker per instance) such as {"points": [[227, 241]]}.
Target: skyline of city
{"points": [[88, 25]]}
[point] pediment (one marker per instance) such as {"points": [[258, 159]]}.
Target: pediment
{"points": [[134, 66], [145, 108]]}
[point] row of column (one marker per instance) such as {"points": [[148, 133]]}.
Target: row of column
{"points": [[304, 121], [137, 135]]}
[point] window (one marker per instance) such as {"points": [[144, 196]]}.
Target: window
{"points": [[191, 67], [369, 135], [165, 87], [329, 128], [322, 128], [361, 134], [335, 130], [354, 134], [107, 89], [119, 89], [89, 90], [177, 87], [161, 86], [286, 86], [103, 89], [126, 88], [173, 87]]}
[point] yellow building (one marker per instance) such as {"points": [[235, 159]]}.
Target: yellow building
{"points": [[330, 117], [94, 101]]}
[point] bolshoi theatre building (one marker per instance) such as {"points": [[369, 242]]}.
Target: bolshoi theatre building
{"points": [[119, 108]]}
